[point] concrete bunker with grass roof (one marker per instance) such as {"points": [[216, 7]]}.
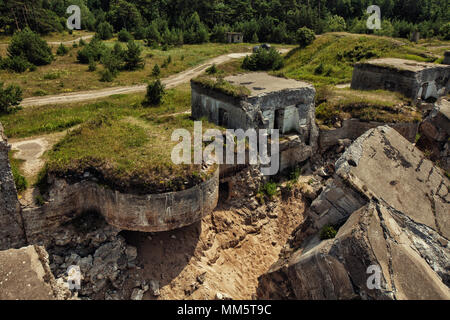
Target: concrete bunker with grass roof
{"points": [[261, 101], [416, 80], [267, 102]]}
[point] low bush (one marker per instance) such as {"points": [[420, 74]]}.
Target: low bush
{"points": [[10, 98], [124, 36], [327, 232], [305, 37], [105, 31], [155, 93], [263, 59], [30, 46], [62, 50]]}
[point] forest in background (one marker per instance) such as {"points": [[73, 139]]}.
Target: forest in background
{"points": [[197, 21]]}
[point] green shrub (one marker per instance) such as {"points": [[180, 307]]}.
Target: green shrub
{"points": [[39, 200], [167, 62], [155, 93], [10, 98], [92, 66], [132, 56], [107, 76], [445, 31], [335, 23], [19, 180], [124, 36], [263, 59], [255, 38], [269, 189], [304, 37], [156, 70], [327, 232], [112, 62], [212, 70], [93, 51], [62, 50], [17, 64], [81, 43], [30, 46], [105, 31]]}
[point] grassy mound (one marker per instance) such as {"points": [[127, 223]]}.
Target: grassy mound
{"points": [[127, 154], [331, 57]]}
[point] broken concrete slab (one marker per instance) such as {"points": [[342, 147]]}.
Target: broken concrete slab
{"points": [[25, 275], [381, 164], [393, 206], [435, 134], [338, 268]]}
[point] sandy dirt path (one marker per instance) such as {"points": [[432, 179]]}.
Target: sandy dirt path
{"points": [[169, 82], [31, 150]]}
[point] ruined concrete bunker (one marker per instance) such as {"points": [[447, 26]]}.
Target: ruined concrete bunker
{"points": [[416, 80], [272, 103]]}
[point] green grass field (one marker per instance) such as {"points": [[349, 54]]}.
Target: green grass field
{"points": [[330, 59], [66, 75]]}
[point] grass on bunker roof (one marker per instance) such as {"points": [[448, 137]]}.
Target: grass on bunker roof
{"points": [[128, 150], [124, 145], [335, 104]]}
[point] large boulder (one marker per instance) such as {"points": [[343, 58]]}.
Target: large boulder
{"points": [[393, 205]]}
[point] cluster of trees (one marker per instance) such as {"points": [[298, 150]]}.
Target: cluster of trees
{"points": [[195, 21], [26, 51], [113, 60], [10, 98]]}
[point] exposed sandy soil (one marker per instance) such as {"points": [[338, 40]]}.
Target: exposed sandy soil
{"points": [[224, 253], [31, 151]]}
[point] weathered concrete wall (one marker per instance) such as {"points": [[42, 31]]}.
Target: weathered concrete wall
{"points": [[290, 110], [354, 128], [146, 213], [293, 151], [413, 79], [435, 134], [207, 103], [447, 57], [11, 226]]}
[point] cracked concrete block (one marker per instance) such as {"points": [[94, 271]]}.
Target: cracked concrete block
{"points": [[394, 204], [25, 275]]}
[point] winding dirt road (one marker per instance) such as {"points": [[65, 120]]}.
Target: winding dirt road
{"points": [[169, 82]]}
